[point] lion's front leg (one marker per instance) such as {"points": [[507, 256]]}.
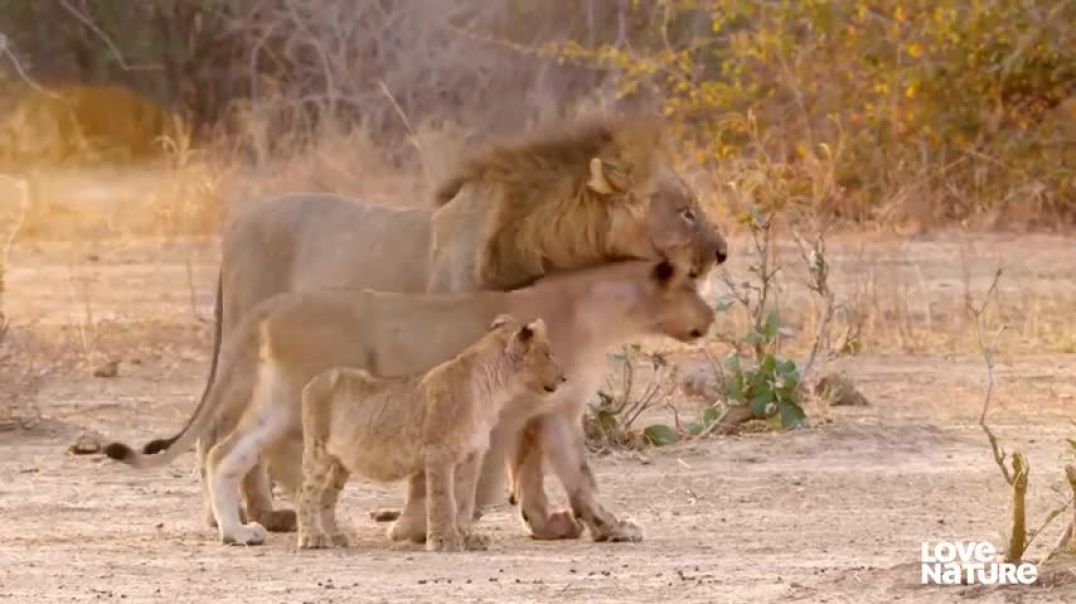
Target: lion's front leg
{"points": [[528, 491], [442, 533], [257, 490], [466, 482], [410, 525], [527, 471], [563, 443]]}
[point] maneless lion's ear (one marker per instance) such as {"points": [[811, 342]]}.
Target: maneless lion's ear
{"points": [[606, 178], [501, 321], [537, 326], [525, 334], [663, 273]]}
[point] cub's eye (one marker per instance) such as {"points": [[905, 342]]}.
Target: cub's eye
{"points": [[688, 215]]}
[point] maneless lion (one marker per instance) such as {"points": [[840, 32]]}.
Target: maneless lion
{"points": [[595, 194], [388, 429], [287, 340]]}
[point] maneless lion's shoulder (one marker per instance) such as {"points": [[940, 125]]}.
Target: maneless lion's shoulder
{"points": [[551, 161]]}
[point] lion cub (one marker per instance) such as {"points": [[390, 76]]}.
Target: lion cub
{"points": [[388, 429]]}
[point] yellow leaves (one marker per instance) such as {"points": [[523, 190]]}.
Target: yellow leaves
{"points": [[909, 91], [914, 49], [898, 14]]}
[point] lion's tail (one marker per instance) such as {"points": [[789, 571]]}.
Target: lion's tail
{"points": [[162, 451]]}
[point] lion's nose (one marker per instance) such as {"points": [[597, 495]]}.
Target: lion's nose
{"points": [[696, 333], [722, 253]]}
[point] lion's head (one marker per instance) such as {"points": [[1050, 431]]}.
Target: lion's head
{"points": [[597, 193], [531, 354]]}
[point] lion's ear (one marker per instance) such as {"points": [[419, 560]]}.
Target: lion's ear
{"points": [[663, 272], [501, 321], [525, 334], [537, 326], [606, 178]]}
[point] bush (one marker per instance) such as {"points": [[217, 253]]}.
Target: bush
{"points": [[939, 108]]}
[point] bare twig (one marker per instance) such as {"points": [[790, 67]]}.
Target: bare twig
{"points": [[407, 124], [24, 203], [814, 256], [5, 49], [988, 351], [112, 48], [1067, 542]]}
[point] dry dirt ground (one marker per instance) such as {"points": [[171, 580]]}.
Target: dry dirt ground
{"points": [[834, 513]]}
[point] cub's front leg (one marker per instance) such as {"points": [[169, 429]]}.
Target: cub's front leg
{"points": [[442, 532], [466, 482]]}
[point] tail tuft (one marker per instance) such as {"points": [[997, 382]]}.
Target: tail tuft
{"points": [[154, 447], [119, 452]]}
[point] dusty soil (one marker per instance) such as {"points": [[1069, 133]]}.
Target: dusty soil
{"points": [[833, 513]]}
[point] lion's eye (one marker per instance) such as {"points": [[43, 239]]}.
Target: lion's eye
{"points": [[688, 215]]}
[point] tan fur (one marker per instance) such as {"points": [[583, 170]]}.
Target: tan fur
{"points": [[286, 341], [510, 216], [558, 203], [387, 429]]}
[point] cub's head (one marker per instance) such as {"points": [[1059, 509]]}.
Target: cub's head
{"points": [[531, 355], [671, 304]]}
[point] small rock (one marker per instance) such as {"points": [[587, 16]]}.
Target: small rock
{"points": [[384, 515], [109, 370], [87, 443], [839, 391]]}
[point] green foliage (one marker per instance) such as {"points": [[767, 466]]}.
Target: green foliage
{"points": [[658, 435], [855, 105], [770, 386]]}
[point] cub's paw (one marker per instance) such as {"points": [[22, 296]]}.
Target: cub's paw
{"points": [[622, 531], [408, 529], [558, 525], [476, 542], [322, 541], [279, 521], [448, 542], [251, 533]]}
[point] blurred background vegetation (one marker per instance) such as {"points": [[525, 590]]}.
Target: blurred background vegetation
{"points": [[910, 112]]}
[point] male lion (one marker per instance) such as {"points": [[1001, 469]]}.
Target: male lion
{"points": [[439, 423], [513, 214], [287, 340]]}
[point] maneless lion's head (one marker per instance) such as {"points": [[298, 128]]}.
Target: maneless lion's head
{"points": [[597, 193]]}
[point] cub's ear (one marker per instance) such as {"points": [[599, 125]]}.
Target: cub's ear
{"points": [[525, 334], [606, 177], [537, 326], [663, 272], [501, 321]]}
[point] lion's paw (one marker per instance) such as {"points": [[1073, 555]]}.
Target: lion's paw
{"points": [[623, 531], [476, 542], [322, 541], [448, 542], [251, 533], [558, 525], [279, 521], [408, 529]]}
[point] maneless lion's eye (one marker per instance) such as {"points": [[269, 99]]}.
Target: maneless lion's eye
{"points": [[688, 215]]}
